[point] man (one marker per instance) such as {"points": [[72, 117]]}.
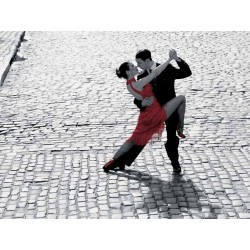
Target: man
{"points": [[164, 91]]}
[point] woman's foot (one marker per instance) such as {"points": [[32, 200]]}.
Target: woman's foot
{"points": [[181, 135], [112, 164], [180, 131], [109, 166]]}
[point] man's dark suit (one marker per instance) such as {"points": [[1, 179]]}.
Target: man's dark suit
{"points": [[164, 91]]}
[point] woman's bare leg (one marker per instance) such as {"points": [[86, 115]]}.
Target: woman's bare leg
{"points": [[178, 103]]}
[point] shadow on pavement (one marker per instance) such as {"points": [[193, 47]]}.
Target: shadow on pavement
{"points": [[19, 59], [174, 198]]}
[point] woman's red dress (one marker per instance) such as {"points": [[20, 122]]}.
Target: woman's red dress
{"points": [[151, 120]]}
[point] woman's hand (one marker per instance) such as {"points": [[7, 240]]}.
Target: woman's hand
{"points": [[173, 54]]}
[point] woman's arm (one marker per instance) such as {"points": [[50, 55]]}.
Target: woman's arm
{"points": [[145, 80], [136, 95]]}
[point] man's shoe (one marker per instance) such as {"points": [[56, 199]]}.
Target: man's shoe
{"points": [[177, 170], [176, 167]]}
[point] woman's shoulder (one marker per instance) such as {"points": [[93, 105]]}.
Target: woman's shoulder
{"points": [[131, 80]]}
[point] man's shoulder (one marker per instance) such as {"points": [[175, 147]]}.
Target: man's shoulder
{"points": [[169, 66]]}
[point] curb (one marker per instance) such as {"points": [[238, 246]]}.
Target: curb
{"points": [[4, 69]]}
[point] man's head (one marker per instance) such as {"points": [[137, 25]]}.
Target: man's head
{"points": [[144, 59]]}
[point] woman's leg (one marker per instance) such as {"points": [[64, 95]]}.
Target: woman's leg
{"points": [[178, 103], [123, 149], [117, 160]]}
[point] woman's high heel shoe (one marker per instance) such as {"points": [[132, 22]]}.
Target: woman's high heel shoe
{"points": [[109, 166], [179, 129], [181, 135], [112, 164]]}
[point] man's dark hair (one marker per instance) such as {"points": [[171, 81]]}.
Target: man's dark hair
{"points": [[143, 54]]}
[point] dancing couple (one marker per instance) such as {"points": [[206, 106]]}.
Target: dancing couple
{"points": [[155, 97]]}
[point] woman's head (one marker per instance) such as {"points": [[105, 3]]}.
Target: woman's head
{"points": [[127, 70]]}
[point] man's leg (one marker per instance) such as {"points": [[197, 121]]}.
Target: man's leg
{"points": [[175, 110], [172, 143]]}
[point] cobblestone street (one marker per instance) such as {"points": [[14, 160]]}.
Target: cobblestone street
{"points": [[64, 113]]}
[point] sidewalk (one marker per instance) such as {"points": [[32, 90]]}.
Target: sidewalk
{"points": [[9, 43]]}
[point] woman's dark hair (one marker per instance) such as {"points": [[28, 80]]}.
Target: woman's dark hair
{"points": [[143, 54], [121, 72]]}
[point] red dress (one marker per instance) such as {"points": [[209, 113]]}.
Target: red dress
{"points": [[151, 120]]}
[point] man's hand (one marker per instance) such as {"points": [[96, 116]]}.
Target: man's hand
{"points": [[173, 55], [147, 101]]}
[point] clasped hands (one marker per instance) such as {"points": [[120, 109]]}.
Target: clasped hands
{"points": [[173, 54]]}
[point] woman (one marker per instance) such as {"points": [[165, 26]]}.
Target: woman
{"points": [[151, 120]]}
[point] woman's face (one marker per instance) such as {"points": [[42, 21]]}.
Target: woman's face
{"points": [[133, 69]]}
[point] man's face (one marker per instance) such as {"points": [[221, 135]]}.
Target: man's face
{"points": [[142, 64]]}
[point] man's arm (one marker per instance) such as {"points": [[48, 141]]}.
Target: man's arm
{"points": [[148, 101], [138, 103], [183, 71]]}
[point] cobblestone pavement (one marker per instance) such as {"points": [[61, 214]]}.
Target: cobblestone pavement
{"points": [[9, 43], [64, 113]]}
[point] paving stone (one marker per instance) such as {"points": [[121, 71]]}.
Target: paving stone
{"points": [[127, 203], [244, 215], [143, 216], [116, 216], [19, 215], [41, 215], [174, 211], [209, 216], [163, 208], [165, 215], [193, 205], [237, 203], [232, 214], [11, 208], [183, 204], [198, 216], [5, 194], [222, 216]]}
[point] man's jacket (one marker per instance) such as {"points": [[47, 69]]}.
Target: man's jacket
{"points": [[163, 85]]}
